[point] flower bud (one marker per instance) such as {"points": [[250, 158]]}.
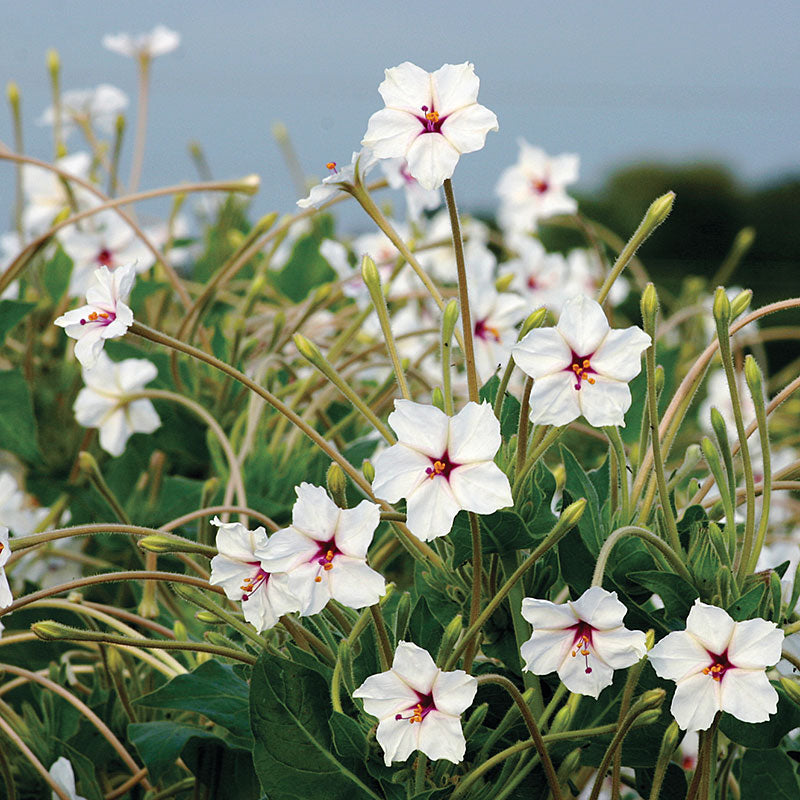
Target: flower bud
{"points": [[717, 538], [308, 349], [250, 184], [648, 717], [475, 720], [450, 636], [437, 398], [561, 720], [208, 618], [659, 210], [755, 381], [368, 470], [570, 763], [649, 307], [217, 639], [53, 631], [402, 615], [371, 276], [720, 428], [337, 484], [119, 125], [776, 594], [53, 62], [741, 303], [572, 514], [265, 223], [722, 308], [449, 319], [180, 631], [660, 377], [12, 92], [158, 543], [672, 735], [535, 320], [711, 455], [792, 688], [649, 639], [279, 132], [651, 699], [503, 282]]}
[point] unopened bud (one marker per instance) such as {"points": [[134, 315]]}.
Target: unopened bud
{"points": [[265, 223], [561, 720], [722, 308], [660, 377], [650, 639], [572, 514], [475, 720], [53, 61], [717, 538], [503, 282], [159, 543], [279, 132], [659, 210], [755, 380], [648, 717], [672, 735], [720, 428], [690, 460], [437, 398], [535, 320], [402, 616], [337, 484], [569, 765], [53, 631], [180, 631], [652, 698], [649, 307], [12, 92], [119, 125], [776, 593], [449, 319], [711, 455], [449, 638], [250, 184], [792, 688], [217, 639], [321, 294], [370, 274], [741, 303], [368, 470], [307, 349], [208, 618]]}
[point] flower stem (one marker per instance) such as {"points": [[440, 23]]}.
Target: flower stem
{"points": [[633, 530], [622, 468], [385, 647], [547, 440], [533, 729], [477, 578], [463, 293], [144, 62]]}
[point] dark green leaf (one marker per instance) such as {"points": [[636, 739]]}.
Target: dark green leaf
{"points": [[17, 423], [578, 484], [500, 532], [674, 784], [348, 737], [305, 269], [11, 312], [160, 743], [293, 750], [768, 773], [764, 735], [423, 627], [747, 605], [677, 594], [227, 773], [56, 275]]}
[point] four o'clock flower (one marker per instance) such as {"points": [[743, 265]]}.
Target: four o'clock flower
{"points": [[340, 179], [441, 465], [105, 315], [159, 41], [584, 641], [5, 553], [100, 106], [533, 188], [719, 665], [581, 366], [430, 119], [418, 706], [418, 198], [239, 570], [324, 552], [102, 404]]}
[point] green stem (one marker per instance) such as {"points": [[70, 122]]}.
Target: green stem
{"points": [[385, 646], [141, 121], [622, 468], [766, 490], [549, 438], [419, 773], [477, 578]]}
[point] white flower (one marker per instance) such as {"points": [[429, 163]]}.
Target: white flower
{"points": [[102, 404], [719, 665], [436, 255], [418, 198], [581, 366], [61, 772], [539, 276], [584, 641], [585, 275], [360, 164], [18, 511], [100, 106], [159, 41], [103, 240], [324, 552], [441, 465], [45, 195], [533, 189], [105, 315], [5, 553], [430, 119], [495, 318], [238, 569], [418, 706]]}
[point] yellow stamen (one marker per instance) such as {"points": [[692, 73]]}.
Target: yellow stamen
{"points": [[432, 116], [437, 469]]}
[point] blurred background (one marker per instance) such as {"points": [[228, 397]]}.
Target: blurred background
{"points": [[700, 98]]}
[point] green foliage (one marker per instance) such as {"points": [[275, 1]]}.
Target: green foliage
{"points": [[769, 773], [17, 421]]}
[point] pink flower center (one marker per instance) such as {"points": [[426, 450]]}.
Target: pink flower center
{"points": [[253, 582], [485, 331], [532, 282], [431, 120], [539, 185], [105, 258], [581, 643], [407, 176], [441, 466], [581, 366], [100, 317], [324, 556], [421, 710], [719, 665]]}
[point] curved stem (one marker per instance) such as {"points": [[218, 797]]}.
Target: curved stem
{"points": [[533, 729], [633, 530], [224, 509], [549, 438]]}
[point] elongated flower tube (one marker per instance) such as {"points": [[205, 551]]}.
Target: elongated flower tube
{"points": [[5, 553]]}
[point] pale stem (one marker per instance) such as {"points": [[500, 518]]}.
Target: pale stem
{"points": [[447, 381], [615, 439], [385, 647], [648, 536], [522, 431], [463, 293], [144, 62], [19, 146], [766, 491], [207, 512], [123, 788]]}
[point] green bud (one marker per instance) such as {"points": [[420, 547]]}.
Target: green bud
{"points": [[775, 591], [717, 538], [437, 398], [369, 272], [561, 720], [650, 639], [503, 282], [535, 320], [722, 308], [449, 319], [755, 381], [279, 132], [119, 125], [53, 631], [53, 61], [570, 763], [572, 514], [725, 585], [652, 698], [12, 92], [308, 349], [159, 543], [450, 636], [337, 484], [115, 661], [208, 618], [795, 589], [368, 470], [660, 377], [711, 455], [741, 303], [648, 717], [321, 294], [649, 307], [180, 631], [720, 428], [217, 639], [672, 735], [791, 687], [402, 615], [659, 210], [475, 720]]}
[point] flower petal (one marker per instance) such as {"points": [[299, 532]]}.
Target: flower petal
{"points": [[619, 648], [544, 614], [406, 86], [453, 692], [398, 472], [385, 695], [546, 650], [748, 694], [423, 427], [441, 737], [619, 356], [600, 608], [583, 324], [554, 399], [314, 513], [285, 550], [431, 509], [711, 626], [574, 675], [604, 402], [755, 644], [474, 434], [415, 666], [398, 738], [115, 432], [454, 86], [466, 129], [431, 158], [696, 702], [357, 527], [354, 584], [390, 133], [678, 655], [482, 488]]}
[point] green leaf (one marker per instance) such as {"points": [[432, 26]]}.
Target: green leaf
{"points": [[213, 690], [12, 312], [578, 484], [764, 735], [747, 605], [17, 423], [678, 595], [769, 774], [348, 737], [674, 784], [500, 532], [160, 743], [423, 627], [293, 751], [57, 272], [305, 269]]}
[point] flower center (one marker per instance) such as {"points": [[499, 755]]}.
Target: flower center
{"points": [[719, 665], [105, 258], [484, 331], [582, 643], [331, 165], [421, 710], [101, 317], [440, 466], [532, 282], [539, 185], [431, 120], [581, 366], [324, 557], [253, 582]]}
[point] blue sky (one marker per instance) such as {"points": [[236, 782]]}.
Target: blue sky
{"points": [[614, 81]]}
